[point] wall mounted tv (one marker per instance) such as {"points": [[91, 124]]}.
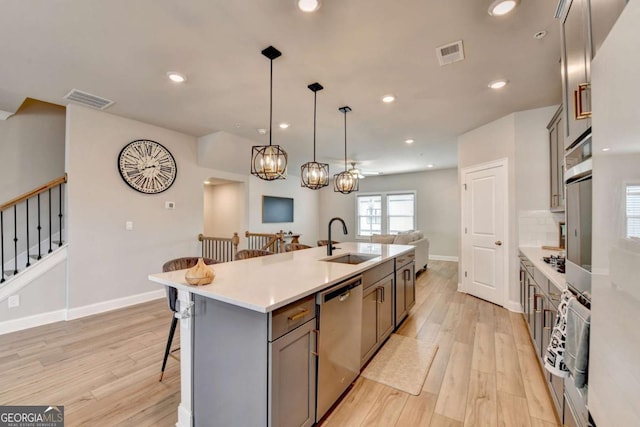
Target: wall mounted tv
{"points": [[277, 209]]}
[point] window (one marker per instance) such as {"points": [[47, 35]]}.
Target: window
{"points": [[369, 215], [633, 211], [398, 210]]}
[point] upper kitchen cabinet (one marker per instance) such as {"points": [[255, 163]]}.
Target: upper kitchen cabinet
{"points": [[556, 156], [584, 26]]}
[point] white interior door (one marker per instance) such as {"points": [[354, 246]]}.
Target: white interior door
{"points": [[484, 236]]}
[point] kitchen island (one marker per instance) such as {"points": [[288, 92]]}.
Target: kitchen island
{"points": [[242, 336]]}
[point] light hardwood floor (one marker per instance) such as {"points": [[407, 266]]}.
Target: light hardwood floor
{"points": [[104, 369]]}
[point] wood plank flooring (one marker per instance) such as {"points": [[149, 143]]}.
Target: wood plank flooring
{"points": [[104, 369]]}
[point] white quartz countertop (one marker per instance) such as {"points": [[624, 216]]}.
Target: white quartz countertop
{"points": [[267, 283], [535, 254]]}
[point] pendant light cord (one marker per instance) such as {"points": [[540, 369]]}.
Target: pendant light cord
{"points": [[345, 140], [271, 101], [315, 97]]}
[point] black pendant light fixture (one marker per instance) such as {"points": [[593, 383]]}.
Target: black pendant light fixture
{"points": [[345, 182], [314, 175], [269, 162]]}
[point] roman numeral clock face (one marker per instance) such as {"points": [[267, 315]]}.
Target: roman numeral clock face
{"points": [[147, 166]]}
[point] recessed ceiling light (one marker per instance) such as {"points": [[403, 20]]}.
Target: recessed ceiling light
{"points": [[409, 141], [606, 149], [262, 131], [308, 5], [502, 7], [498, 84], [284, 125], [429, 165], [540, 35], [388, 98], [176, 77]]}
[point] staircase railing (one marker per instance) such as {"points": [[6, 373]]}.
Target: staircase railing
{"points": [[273, 242], [222, 249], [17, 219]]}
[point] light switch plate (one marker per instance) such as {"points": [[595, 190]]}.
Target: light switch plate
{"points": [[128, 225], [14, 301]]}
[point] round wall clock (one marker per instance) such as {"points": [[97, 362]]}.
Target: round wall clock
{"points": [[147, 166]]}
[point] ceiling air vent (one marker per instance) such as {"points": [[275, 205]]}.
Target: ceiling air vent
{"points": [[452, 52], [87, 99]]}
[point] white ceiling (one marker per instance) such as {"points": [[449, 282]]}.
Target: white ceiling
{"points": [[358, 50]]}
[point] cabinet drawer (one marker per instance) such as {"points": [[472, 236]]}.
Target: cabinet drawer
{"points": [[405, 259], [376, 273], [291, 316]]}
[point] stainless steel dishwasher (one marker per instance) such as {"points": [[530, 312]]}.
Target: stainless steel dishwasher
{"points": [[339, 324]]}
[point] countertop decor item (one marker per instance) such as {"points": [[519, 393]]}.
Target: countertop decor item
{"points": [[314, 175], [199, 274], [269, 162], [345, 182], [147, 166]]}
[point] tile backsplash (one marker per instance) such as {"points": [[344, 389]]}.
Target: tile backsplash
{"points": [[538, 228]]}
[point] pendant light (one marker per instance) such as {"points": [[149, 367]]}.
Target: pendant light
{"points": [[269, 162], [345, 182], [314, 175]]}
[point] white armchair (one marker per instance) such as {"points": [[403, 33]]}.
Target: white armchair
{"points": [[414, 238]]}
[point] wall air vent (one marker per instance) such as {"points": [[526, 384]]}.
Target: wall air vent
{"points": [[452, 52], [87, 99]]}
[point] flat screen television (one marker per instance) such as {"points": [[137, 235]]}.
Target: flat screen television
{"points": [[277, 209]]}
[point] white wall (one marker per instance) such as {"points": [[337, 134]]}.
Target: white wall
{"points": [[305, 208], [438, 206], [523, 140], [31, 148], [105, 261], [224, 209]]}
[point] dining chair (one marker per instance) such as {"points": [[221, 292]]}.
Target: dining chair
{"points": [[252, 253], [290, 247], [172, 298]]}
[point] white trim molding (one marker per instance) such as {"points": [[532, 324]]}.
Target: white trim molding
{"points": [[514, 306], [114, 304], [21, 323], [443, 258]]}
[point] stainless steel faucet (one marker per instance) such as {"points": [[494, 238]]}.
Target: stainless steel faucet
{"points": [[330, 246]]}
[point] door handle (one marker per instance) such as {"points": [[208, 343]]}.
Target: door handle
{"points": [[344, 296], [498, 242], [578, 110]]}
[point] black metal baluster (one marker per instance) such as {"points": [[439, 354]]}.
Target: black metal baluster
{"points": [[15, 239], [39, 231], [50, 215], [60, 214], [2, 245], [28, 258]]}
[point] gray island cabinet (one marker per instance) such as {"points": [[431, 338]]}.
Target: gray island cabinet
{"points": [[250, 340]]}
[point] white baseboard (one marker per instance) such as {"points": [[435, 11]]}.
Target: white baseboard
{"points": [[184, 417], [15, 325], [443, 258], [114, 304], [513, 306]]}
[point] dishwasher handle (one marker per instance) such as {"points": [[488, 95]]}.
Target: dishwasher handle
{"points": [[341, 290]]}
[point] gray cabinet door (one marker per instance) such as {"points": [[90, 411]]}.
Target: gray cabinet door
{"points": [[385, 308], [400, 303], [556, 166], [369, 323], [604, 14], [293, 378], [576, 43]]}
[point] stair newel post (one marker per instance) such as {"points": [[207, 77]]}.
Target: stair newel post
{"points": [[60, 213], [2, 245], [39, 231], [50, 215], [28, 258], [15, 239]]}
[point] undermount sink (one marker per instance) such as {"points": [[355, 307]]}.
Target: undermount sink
{"points": [[351, 258]]}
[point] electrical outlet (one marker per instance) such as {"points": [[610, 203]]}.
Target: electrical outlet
{"points": [[128, 225], [169, 205], [14, 301]]}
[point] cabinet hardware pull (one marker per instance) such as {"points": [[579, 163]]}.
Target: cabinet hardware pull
{"points": [[298, 315], [407, 274], [314, 353], [379, 295], [535, 302], [578, 111], [544, 319]]}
